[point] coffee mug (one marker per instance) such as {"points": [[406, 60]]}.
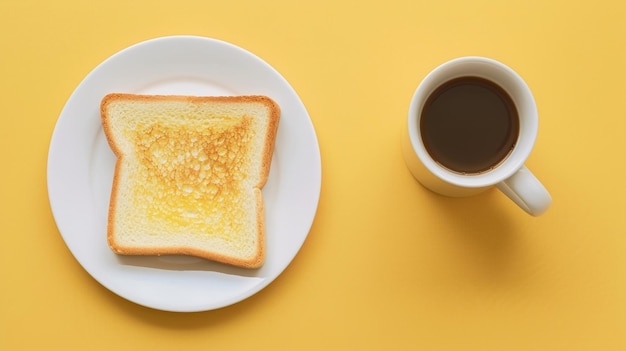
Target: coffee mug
{"points": [[472, 124]]}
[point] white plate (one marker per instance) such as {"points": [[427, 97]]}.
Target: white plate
{"points": [[80, 172]]}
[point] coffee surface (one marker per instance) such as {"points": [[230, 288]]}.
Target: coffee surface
{"points": [[469, 125]]}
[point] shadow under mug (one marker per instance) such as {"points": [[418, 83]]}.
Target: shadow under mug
{"points": [[511, 175]]}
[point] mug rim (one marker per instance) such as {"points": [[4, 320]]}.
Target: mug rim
{"points": [[521, 95]]}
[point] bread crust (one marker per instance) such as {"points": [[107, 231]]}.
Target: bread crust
{"points": [[255, 261]]}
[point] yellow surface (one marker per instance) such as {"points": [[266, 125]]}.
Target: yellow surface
{"points": [[387, 265]]}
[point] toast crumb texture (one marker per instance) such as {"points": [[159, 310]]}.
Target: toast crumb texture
{"points": [[189, 175]]}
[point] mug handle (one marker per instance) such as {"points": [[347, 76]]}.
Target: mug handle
{"points": [[526, 191]]}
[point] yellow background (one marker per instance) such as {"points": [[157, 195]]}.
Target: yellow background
{"points": [[387, 265]]}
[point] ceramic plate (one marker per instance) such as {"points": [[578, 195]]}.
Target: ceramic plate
{"points": [[81, 164]]}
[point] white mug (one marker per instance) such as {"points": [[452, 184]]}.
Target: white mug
{"points": [[511, 175]]}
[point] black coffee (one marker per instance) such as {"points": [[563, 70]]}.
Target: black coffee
{"points": [[469, 125]]}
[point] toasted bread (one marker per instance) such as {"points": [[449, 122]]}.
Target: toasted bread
{"points": [[189, 174]]}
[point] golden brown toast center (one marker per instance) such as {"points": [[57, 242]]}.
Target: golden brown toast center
{"points": [[196, 175]]}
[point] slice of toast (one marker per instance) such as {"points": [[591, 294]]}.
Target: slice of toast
{"points": [[189, 174]]}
